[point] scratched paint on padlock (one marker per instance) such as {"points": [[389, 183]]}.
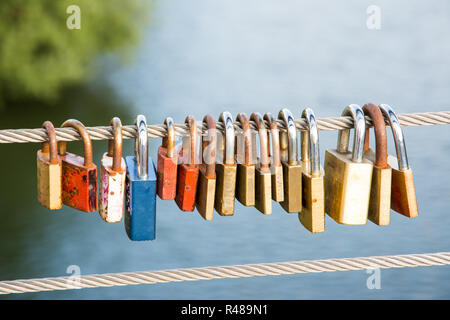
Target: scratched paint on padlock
{"points": [[111, 191]]}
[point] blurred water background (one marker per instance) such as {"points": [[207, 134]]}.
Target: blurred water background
{"points": [[199, 57]]}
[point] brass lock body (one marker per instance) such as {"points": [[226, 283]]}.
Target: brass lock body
{"points": [[276, 168]]}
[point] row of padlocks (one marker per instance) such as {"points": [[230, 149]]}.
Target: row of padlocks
{"points": [[352, 188]]}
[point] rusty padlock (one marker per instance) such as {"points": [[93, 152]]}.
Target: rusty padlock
{"points": [[188, 169], [167, 164], [112, 177], [49, 171], [380, 191], [403, 192], [245, 181], [312, 215], [79, 174], [275, 161], [206, 186], [263, 176], [292, 169], [225, 168]]}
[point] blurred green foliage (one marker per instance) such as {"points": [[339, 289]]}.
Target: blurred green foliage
{"points": [[39, 55]]}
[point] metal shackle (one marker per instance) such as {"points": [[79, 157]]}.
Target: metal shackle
{"points": [[50, 146], [141, 147], [169, 140], [380, 135], [274, 132], [291, 136], [115, 145], [209, 144], [193, 138], [247, 131], [399, 139], [263, 143], [84, 136], [359, 123], [228, 145], [310, 143]]}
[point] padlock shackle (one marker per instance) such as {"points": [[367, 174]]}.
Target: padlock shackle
{"points": [[84, 136], [115, 145], [168, 141], [291, 136], [380, 135], [399, 139], [193, 139], [275, 133], [359, 123], [209, 146], [141, 146], [51, 145], [310, 143], [263, 143], [228, 145], [247, 132]]}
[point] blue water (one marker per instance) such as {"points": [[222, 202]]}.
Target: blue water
{"points": [[201, 57]]}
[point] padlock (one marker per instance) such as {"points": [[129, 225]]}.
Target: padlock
{"points": [[225, 168], [167, 164], [206, 187], [79, 175], [112, 177], [403, 192], [276, 168], [140, 188], [348, 176], [245, 181], [263, 176], [292, 169], [49, 171], [380, 191], [313, 209], [188, 169]]}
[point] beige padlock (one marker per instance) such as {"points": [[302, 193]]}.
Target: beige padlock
{"points": [[275, 161]]}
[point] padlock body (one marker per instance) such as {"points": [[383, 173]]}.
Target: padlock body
{"points": [[380, 193], [79, 183], [263, 190], [166, 174], [347, 186], [186, 187], [225, 188], [245, 184], [292, 181], [312, 215], [112, 190], [140, 202], [49, 181], [206, 190], [277, 183], [403, 192]]}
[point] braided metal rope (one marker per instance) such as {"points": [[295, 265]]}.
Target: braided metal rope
{"points": [[159, 130], [223, 272]]}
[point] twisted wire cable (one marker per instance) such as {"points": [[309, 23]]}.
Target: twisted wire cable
{"points": [[224, 272], [159, 130]]}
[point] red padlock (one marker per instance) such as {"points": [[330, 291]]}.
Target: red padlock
{"points": [[167, 164], [79, 175], [188, 169]]}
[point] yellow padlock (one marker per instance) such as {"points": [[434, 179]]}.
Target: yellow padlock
{"points": [[276, 168]]}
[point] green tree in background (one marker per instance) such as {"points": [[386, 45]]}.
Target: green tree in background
{"points": [[39, 55]]}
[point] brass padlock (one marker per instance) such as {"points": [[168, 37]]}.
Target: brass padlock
{"points": [[49, 171], [276, 168], [225, 168], [403, 192], [245, 182], [380, 191], [313, 210], [292, 169], [206, 187], [263, 176], [348, 176]]}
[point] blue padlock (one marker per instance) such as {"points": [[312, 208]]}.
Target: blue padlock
{"points": [[140, 203]]}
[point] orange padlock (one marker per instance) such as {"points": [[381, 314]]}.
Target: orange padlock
{"points": [[167, 164], [188, 169]]}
